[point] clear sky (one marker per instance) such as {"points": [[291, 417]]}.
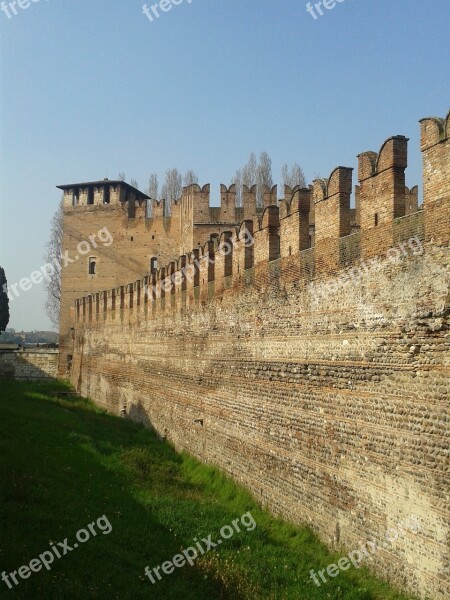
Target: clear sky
{"points": [[92, 87]]}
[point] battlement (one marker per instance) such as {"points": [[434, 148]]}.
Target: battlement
{"points": [[136, 204], [435, 143], [275, 244], [229, 211]]}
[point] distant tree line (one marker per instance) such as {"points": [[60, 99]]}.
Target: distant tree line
{"points": [[254, 172], [259, 173], [171, 189]]}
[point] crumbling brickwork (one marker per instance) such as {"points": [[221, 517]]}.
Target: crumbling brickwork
{"points": [[316, 376]]}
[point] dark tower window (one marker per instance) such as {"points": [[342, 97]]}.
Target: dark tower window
{"points": [[153, 264], [106, 194], [90, 198], [92, 266]]}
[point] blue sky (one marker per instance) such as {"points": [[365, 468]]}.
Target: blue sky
{"points": [[92, 87]]}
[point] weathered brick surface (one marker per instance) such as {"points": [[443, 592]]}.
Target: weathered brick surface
{"points": [[435, 144], [139, 233], [29, 365], [331, 410], [319, 382]]}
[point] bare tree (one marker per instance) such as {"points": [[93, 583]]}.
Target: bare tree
{"points": [[254, 173], [134, 184], [52, 284], [263, 176], [293, 176], [285, 175], [189, 178], [171, 190], [237, 181], [153, 186], [121, 176], [249, 171], [153, 193]]}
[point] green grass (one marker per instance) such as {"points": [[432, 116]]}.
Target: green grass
{"points": [[65, 463]]}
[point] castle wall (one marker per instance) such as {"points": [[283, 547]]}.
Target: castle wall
{"points": [[126, 255], [329, 409], [138, 234], [317, 377]]}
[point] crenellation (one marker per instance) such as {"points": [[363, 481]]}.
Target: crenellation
{"points": [[411, 200], [381, 194], [227, 204], [270, 196], [434, 143], [282, 231], [332, 217], [249, 202]]}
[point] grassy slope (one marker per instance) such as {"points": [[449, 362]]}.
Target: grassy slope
{"points": [[64, 464]]}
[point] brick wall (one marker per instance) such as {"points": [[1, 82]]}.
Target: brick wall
{"points": [[319, 381], [330, 408]]}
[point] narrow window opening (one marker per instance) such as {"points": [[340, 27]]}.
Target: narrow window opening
{"points": [[92, 266], [153, 264], [90, 198], [376, 219]]}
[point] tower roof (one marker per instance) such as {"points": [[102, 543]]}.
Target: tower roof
{"points": [[101, 183]]}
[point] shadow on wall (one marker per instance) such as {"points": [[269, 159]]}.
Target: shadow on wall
{"points": [[137, 414], [29, 365]]}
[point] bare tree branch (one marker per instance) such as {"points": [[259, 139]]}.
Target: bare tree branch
{"points": [[237, 180], [189, 178], [263, 176], [294, 176], [52, 255]]}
